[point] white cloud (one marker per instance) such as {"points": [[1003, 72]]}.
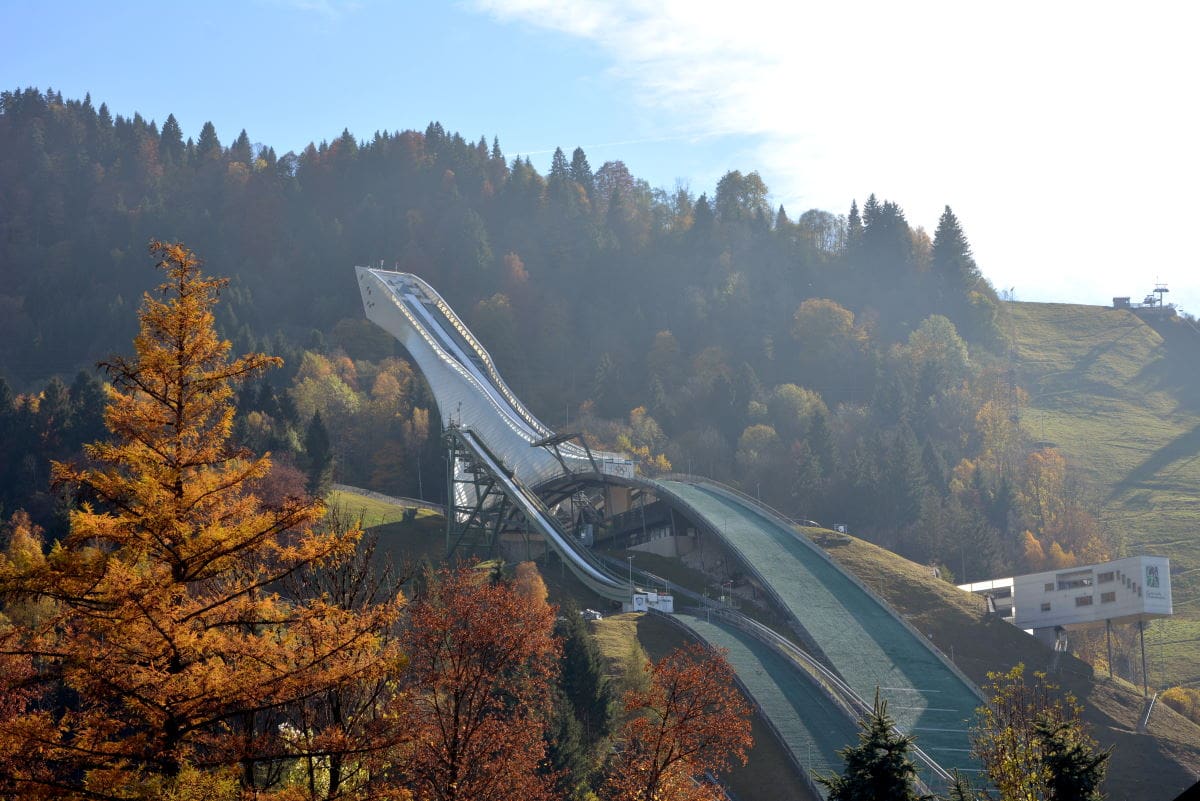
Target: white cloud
{"points": [[1062, 134]]}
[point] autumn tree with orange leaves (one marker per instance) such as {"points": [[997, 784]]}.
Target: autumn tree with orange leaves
{"points": [[692, 721], [483, 658], [168, 652]]}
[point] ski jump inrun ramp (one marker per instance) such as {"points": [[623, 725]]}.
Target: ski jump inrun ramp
{"points": [[850, 632]]}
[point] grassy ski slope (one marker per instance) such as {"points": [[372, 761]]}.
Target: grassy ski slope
{"points": [[1121, 398]]}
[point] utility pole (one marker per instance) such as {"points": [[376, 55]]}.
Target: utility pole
{"points": [[1145, 678], [420, 484], [1108, 643]]}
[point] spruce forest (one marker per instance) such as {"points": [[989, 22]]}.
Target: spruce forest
{"points": [[840, 366]]}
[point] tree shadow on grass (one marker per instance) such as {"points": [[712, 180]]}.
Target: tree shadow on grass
{"points": [[1176, 372], [1076, 379], [1184, 446]]}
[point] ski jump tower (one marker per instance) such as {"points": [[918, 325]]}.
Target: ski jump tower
{"points": [[467, 388], [500, 452]]}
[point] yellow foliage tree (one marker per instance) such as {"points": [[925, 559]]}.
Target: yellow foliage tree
{"points": [[1184, 700], [171, 647], [527, 581], [1041, 494], [1080, 534], [1035, 555], [318, 388], [997, 421], [1058, 558], [1032, 742]]}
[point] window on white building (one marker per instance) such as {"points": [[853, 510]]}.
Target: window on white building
{"points": [[1073, 581]]}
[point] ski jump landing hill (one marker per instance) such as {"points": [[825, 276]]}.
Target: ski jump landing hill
{"points": [[854, 642]]}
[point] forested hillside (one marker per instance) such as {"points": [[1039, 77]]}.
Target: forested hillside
{"points": [[845, 368]]}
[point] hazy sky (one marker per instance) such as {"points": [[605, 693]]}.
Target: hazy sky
{"points": [[1063, 134]]}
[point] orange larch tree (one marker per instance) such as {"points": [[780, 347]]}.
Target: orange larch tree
{"points": [[692, 721], [172, 650]]}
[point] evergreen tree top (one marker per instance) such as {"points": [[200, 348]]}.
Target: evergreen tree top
{"points": [[879, 767]]}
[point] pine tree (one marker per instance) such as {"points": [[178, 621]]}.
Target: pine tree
{"points": [[568, 762], [960, 789], [807, 480], [558, 166], [346, 144], [951, 257], [886, 243], [1000, 504], [435, 135], [854, 229], [702, 216], [318, 451], [879, 767], [87, 409], [53, 416], [1075, 767], [934, 466], [577, 739], [820, 439], [171, 140], [208, 146], [870, 211], [903, 478], [583, 677], [581, 171], [558, 189], [240, 150]]}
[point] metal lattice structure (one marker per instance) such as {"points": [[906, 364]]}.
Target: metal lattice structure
{"points": [[479, 508]]}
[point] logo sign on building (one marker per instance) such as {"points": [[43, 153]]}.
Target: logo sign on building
{"points": [[1154, 583]]}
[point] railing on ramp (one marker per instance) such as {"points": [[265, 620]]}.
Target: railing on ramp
{"points": [[586, 567]]}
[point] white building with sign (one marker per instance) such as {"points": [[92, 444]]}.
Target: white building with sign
{"points": [[1131, 590], [1134, 590]]}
